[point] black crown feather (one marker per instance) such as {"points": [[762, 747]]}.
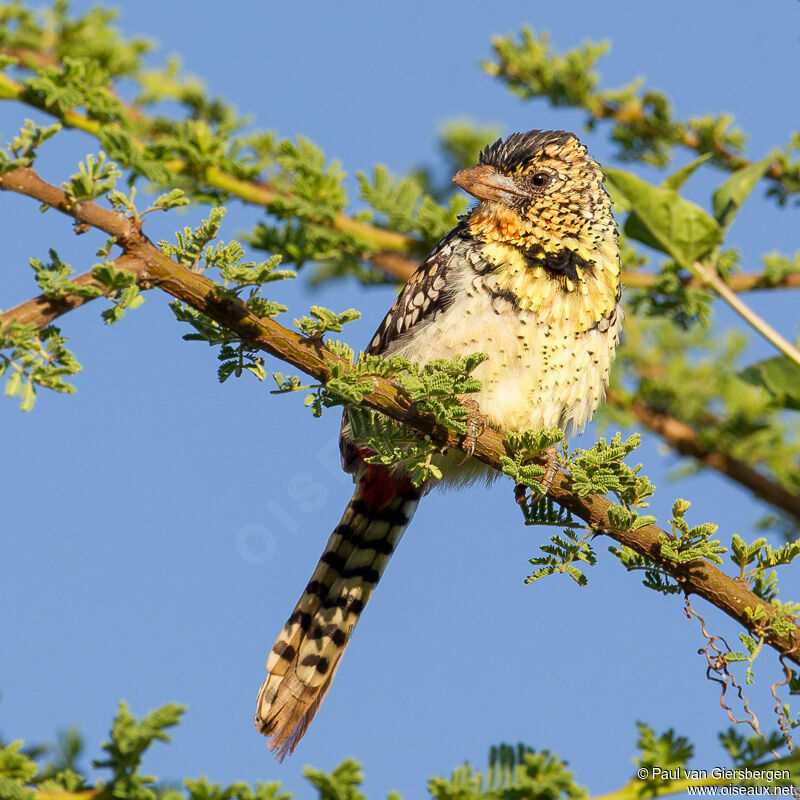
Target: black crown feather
{"points": [[519, 149]]}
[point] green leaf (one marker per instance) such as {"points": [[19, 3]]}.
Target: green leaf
{"points": [[680, 507], [131, 737], [618, 198], [744, 751], [619, 518], [13, 384], [16, 765], [729, 197], [662, 219], [342, 783], [96, 176], [323, 320], [669, 750], [677, 179], [780, 376], [172, 199], [27, 396]]}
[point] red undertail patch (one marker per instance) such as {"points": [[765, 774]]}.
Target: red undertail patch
{"points": [[381, 486]]}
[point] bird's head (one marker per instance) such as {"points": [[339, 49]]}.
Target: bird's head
{"points": [[544, 217], [537, 190]]}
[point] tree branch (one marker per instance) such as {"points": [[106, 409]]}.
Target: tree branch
{"points": [[312, 357], [42, 310], [82, 794], [387, 250], [690, 139], [402, 267], [747, 282], [679, 435], [683, 438]]}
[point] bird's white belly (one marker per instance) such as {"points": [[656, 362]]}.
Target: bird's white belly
{"points": [[537, 375]]}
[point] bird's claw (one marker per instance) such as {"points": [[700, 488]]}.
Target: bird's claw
{"points": [[550, 469], [476, 425]]}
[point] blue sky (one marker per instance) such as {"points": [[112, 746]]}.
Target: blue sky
{"points": [[158, 527]]}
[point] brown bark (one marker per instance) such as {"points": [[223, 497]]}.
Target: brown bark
{"points": [[697, 577]]}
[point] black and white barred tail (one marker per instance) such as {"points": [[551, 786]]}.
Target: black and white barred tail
{"points": [[305, 656]]}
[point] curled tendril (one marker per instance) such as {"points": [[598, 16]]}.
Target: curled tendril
{"points": [[717, 671]]}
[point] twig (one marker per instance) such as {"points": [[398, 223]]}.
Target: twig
{"points": [[688, 138], [747, 282], [710, 277], [42, 310]]}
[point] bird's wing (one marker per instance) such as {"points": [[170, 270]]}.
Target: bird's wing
{"points": [[429, 292]]}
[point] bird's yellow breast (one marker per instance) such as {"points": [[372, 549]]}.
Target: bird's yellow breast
{"points": [[579, 302]]}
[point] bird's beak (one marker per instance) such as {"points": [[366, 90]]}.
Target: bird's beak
{"points": [[486, 183]]}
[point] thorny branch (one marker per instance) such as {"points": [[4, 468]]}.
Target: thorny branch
{"points": [[311, 356]]}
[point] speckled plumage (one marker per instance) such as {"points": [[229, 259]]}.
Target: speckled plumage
{"points": [[531, 277]]}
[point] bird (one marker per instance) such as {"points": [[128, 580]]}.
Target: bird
{"points": [[531, 277]]}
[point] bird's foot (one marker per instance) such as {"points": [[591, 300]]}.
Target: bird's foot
{"points": [[476, 425], [550, 469]]}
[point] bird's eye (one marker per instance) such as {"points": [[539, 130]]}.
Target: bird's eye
{"points": [[540, 179]]}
